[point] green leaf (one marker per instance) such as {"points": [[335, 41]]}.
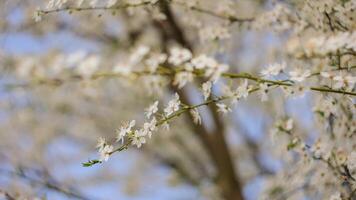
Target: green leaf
{"points": [[90, 163]]}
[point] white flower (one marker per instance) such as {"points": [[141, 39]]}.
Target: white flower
{"points": [[326, 74], [55, 4], [37, 16], [299, 75], [242, 90], [149, 127], [105, 152], [89, 66], [111, 3], [336, 196], [73, 59], [326, 106], [179, 56], [203, 61], [93, 3], [216, 72], [122, 68], [344, 80], [138, 54], [152, 109], [165, 126], [101, 143], [182, 78], [139, 138], [196, 116], [173, 105], [351, 161], [288, 124], [80, 2], [321, 150], [273, 69], [297, 90], [154, 61], [125, 129], [214, 33], [222, 108], [263, 91], [206, 87]]}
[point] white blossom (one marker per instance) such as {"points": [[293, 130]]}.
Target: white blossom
{"points": [[139, 138], [215, 73], [149, 127], [335, 196], [55, 4], [155, 60], [173, 105], [37, 16], [138, 54], [89, 66], [125, 129], [101, 143], [105, 152], [152, 109], [111, 3], [344, 81], [273, 69], [242, 90], [122, 68], [203, 61], [182, 78], [80, 2], [93, 3], [206, 87], [196, 116], [179, 55], [222, 108], [288, 125], [299, 75], [263, 91]]}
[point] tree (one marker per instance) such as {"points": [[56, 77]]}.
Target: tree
{"points": [[235, 92]]}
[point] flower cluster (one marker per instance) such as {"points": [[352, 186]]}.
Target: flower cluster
{"points": [[137, 137], [342, 42]]}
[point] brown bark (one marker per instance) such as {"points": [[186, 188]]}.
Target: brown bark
{"points": [[214, 143]]}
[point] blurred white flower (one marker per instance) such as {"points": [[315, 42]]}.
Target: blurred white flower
{"points": [[149, 127], [111, 3], [179, 55], [125, 129], [263, 91], [273, 69], [101, 143], [182, 78], [206, 87], [152, 109], [242, 90], [105, 152], [139, 138], [154, 61], [89, 66], [173, 105], [299, 75], [196, 116], [343, 80], [336, 196], [203, 61], [138, 54], [222, 108]]}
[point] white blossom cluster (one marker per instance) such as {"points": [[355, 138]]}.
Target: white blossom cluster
{"points": [[137, 137], [324, 44]]}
